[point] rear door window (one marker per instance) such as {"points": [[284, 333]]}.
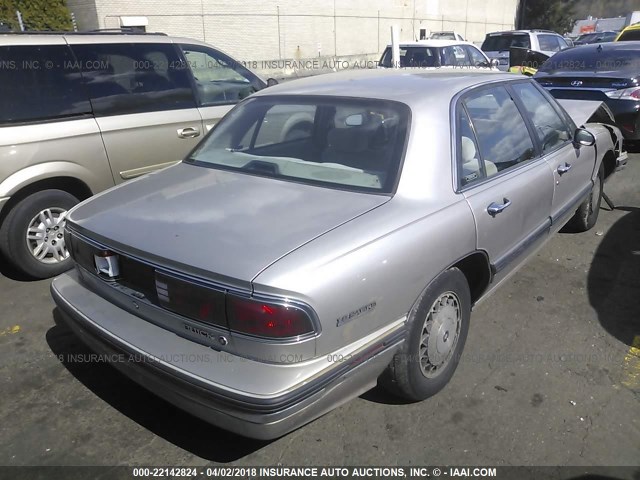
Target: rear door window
{"points": [[40, 83], [124, 78], [549, 43]]}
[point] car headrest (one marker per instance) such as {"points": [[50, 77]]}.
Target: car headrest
{"points": [[468, 150], [351, 139]]}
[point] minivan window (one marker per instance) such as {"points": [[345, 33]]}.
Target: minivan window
{"points": [[548, 43], [39, 83], [124, 78], [219, 79], [354, 144]]}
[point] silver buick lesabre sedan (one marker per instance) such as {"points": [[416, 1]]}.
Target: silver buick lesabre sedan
{"points": [[328, 234]]}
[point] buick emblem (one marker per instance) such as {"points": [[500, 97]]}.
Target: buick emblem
{"points": [[576, 83]]}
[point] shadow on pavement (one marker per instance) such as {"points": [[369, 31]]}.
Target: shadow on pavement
{"points": [[614, 278], [143, 407]]}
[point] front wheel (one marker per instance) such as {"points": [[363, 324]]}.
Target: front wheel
{"points": [[32, 234], [437, 331], [587, 214]]}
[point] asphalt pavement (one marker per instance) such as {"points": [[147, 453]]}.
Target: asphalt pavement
{"points": [[550, 376]]}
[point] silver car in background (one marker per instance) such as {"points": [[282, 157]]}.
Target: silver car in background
{"points": [[328, 234]]}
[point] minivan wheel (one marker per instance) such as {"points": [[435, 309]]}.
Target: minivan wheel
{"points": [[587, 214], [32, 234], [437, 331]]}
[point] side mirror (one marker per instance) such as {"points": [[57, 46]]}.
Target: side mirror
{"points": [[271, 82], [584, 137], [495, 63]]}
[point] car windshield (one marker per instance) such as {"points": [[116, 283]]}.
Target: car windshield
{"points": [[347, 143], [593, 59], [443, 36], [496, 43]]}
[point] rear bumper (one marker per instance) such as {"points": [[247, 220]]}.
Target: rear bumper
{"points": [[262, 415]]}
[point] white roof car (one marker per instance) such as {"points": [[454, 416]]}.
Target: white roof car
{"points": [[436, 54]]}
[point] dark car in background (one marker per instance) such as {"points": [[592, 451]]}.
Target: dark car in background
{"points": [[596, 37], [608, 72]]}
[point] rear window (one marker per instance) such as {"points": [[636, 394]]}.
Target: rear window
{"points": [[354, 144], [593, 58], [412, 57], [40, 83], [496, 43], [630, 35]]}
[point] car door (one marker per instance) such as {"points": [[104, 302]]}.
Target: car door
{"points": [[143, 103], [572, 166], [220, 82], [507, 185]]}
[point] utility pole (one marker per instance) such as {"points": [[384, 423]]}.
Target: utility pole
{"points": [[19, 15]]}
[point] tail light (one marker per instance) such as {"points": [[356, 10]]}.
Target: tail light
{"points": [[264, 319], [625, 94]]}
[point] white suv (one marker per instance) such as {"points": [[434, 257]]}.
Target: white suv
{"points": [[496, 44]]}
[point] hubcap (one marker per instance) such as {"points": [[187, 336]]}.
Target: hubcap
{"points": [[440, 333], [45, 236]]}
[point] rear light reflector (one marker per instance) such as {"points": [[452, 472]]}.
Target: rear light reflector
{"points": [[264, 319], [625, 94], [191, 300]]}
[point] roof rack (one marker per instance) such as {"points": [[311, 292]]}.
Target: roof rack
{"points": [[103, 31]]}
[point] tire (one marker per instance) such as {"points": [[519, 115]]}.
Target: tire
{"points": [[420, 370], [587, 214], [41, 210]]}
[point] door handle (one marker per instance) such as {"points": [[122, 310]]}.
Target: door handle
{"points": [[188, 132], [495, 208], [562, 169]]}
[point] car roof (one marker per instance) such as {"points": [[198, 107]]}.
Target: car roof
{"points": [[635, 26], [627, 45], [412, 87], [505, 32], [434, 43], [75, 38]]}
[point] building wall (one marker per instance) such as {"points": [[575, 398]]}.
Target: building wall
{"points": [[293, 29]]}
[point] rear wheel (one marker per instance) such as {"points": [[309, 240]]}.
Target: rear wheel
{"points": [[32, 234], [438, 328]]}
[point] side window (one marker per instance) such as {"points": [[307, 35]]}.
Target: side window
{"points": [[551, 129], [549, 43], [39, 83], [563, 43], [219, 79], [470, 166], [477, 59], [124, 78], [502, 135], [455, 55], [285, 123]]}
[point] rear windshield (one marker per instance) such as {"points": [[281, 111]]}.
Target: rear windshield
{"points": [[593, 58], [630, 35], [496, 43], [412, 57], [354, 144]]}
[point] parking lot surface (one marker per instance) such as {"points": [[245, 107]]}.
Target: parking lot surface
{"points": [[550, 376]]}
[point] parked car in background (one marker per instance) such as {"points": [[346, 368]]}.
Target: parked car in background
{"points": [[436, 53], [629, 34], [83, 112], [608, 72], [273, 275], [496, 45], [446, 35], [596, 37]]}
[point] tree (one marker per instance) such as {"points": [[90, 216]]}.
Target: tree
{"points": [[36, 14], [556, 15]]}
